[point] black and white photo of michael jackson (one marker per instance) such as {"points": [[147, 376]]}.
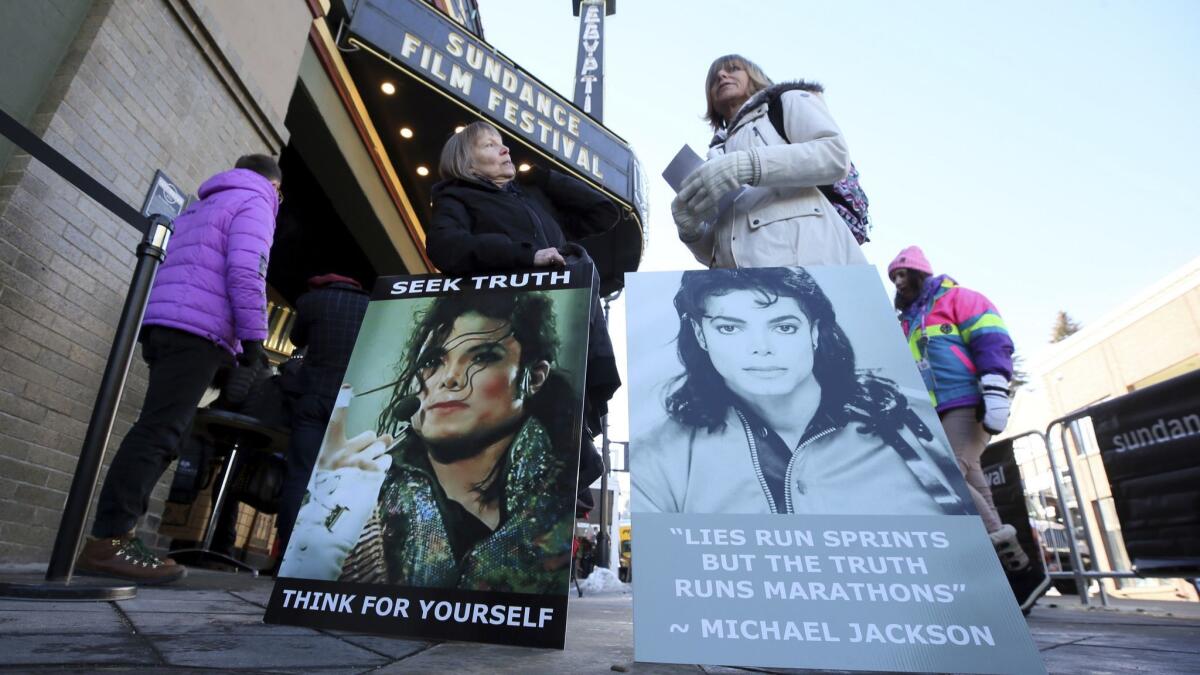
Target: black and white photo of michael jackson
{"points": [[770, 413]]}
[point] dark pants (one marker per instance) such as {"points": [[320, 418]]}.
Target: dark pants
{"points": [[182, 366], [309, 419]]}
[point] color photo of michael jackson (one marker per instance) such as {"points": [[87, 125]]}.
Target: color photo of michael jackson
{"points": [[770, 412], [465, 474]]}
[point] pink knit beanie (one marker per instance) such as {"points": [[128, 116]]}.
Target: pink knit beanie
{"points": [[912, 258]]}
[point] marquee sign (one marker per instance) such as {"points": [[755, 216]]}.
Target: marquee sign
{"points": [[419, 40]]}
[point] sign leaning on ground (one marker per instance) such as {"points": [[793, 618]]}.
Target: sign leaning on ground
{"points": [[442, 504], [1150, 445], [795, 502]]}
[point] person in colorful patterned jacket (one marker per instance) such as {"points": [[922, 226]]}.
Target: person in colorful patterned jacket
{"points": [[964, 354], [469, 480], [208, 305]]}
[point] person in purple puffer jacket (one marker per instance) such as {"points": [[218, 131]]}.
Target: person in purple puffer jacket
{"points": [[207, 307]]}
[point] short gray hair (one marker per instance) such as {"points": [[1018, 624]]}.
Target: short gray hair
{"points": [[456, 159]]}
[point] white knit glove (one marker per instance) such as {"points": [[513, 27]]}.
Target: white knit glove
{"points": [[703, 189], [328, 526], [689, 225], [996, 403]]}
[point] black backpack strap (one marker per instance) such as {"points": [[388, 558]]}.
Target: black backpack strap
{"points": [[775, 115]]}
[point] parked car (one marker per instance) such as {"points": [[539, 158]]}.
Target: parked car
{"points": [[1056, 553]]}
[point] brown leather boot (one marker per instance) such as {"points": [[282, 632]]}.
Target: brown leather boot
{"points": [[128, 559]]}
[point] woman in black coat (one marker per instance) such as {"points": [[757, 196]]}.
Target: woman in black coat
{"points": [[487, 221], [484, 220]]}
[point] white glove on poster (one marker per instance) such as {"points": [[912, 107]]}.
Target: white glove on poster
{"points": [[341, 497], [996, 403], [328, 526]]}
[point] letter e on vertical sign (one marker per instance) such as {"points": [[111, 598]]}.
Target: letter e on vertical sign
{"points": [[589, 64]]}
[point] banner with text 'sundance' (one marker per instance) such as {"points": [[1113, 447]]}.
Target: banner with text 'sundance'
{"points": [[795, 501], [442, 503], [1150, 445]]}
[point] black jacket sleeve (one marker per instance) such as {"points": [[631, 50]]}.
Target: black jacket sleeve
{"points": [[456, 249], [584, 211]]}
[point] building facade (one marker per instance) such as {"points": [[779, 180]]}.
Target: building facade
{"points": [[1152, 338], [125, 88]]}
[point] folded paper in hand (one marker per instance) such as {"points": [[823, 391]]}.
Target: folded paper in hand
{"points": [[687, 161]]}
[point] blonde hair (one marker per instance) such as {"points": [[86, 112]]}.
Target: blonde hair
{"points": [[758, 82], [456, 161]]}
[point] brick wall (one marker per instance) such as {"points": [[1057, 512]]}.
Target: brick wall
{"points": [[137, 92]]}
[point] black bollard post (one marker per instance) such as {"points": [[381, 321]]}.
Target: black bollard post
{"points": [[58, 586]]}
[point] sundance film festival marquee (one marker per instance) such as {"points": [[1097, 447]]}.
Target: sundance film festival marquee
{"points": [[356, 98]]}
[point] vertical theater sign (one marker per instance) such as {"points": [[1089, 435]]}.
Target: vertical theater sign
{"points": [[589, 64]]}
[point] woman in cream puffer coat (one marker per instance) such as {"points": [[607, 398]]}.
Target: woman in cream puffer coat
{"points": [[781, 218]]}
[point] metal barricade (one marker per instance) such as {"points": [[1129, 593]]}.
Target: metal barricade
{"points": [[1070, 437], [1062, 511]]}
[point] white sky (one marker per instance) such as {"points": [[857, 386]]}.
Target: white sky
{"points": [[1041, 153]]}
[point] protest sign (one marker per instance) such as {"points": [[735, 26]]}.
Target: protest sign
{"points": [[443, 500], [795, 500]]}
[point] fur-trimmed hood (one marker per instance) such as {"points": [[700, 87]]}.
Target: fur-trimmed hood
{"points": [[761, 97]]}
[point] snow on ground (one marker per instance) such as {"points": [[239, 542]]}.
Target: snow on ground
{"points": [[603, 580]]}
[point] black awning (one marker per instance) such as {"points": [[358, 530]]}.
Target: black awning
{"points": [[443, 77]]}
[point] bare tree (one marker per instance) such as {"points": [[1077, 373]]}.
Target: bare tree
{"points": [[1064, 327], [1020, 376]]}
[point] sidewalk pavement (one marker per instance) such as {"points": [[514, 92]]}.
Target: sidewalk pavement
{"points": [[212, 622]]}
